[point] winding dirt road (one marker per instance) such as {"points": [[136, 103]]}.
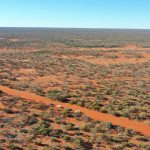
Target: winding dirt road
{"points": [[120, 121]]}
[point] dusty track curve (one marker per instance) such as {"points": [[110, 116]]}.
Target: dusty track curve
{"points": [[124, 122]]}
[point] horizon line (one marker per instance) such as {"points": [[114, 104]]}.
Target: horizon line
{"points": [[74, 27]]}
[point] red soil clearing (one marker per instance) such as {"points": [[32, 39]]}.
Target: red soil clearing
{"points": [[120, 121]]}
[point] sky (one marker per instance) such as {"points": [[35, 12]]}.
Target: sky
{"points": [[75, 13]]}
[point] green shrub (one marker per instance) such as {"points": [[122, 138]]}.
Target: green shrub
{"points": [[58, 95], [42, 129]]}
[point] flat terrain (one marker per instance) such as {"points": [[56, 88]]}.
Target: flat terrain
{"points": [[74, 89]]}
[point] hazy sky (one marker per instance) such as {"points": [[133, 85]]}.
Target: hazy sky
{"points": [[75, 13]]}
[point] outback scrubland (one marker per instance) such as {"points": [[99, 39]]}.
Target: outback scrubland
{"points": [[74, 89]]}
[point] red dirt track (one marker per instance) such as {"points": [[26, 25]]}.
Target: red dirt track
{"points": [[120, 121]]}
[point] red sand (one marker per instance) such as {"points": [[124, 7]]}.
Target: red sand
{"points": [[120, 121]]}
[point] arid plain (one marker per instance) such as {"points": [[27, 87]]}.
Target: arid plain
{"points": [[74, 89]]}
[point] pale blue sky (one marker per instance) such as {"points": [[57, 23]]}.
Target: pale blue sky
{"points": [[75, 13]]}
